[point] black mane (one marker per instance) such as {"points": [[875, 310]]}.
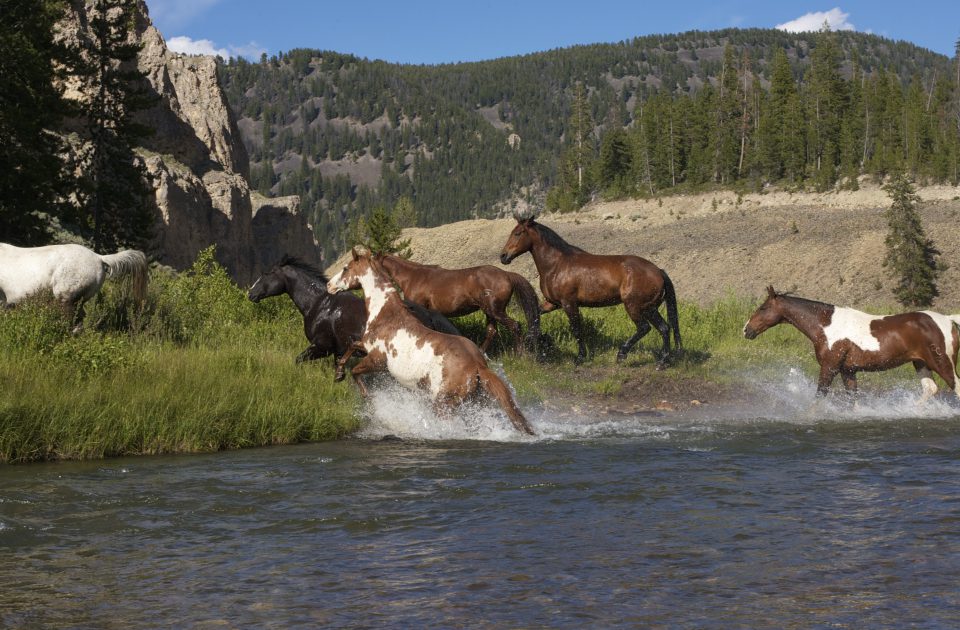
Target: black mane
{"points": [[305, 267], [554, 240]]}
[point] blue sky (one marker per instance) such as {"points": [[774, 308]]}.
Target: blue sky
{"points": [[440, 31]]}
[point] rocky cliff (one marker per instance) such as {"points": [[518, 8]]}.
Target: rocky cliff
{"points": [[199, 165]]}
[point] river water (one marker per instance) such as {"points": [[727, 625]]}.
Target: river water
{"points": [[773, 517]]}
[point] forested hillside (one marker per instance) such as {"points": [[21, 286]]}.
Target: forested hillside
{"points": [[732, 108]]}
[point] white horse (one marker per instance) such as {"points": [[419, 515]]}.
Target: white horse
{"points": [[72, 272]]}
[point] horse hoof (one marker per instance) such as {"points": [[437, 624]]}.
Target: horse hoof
{"points": [[339, 376], [661, 365], [621, 357]]}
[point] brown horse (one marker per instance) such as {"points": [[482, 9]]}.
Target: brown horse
{"points": [[571, 278], [846, 341], [451, 368], [456, 292]]}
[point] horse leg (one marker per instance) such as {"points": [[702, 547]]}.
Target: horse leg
{"points": [[499, 313], [342, 361], [828, 372], [576, 327], [943, 365], [491, 333], [547, 306], [927, 384], [374, 362], [643, 327], [850, 384], [311, 353], [654, 317]]}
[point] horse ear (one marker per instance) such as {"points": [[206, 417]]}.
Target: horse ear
{"points": [[771, 292], [353, 251]]}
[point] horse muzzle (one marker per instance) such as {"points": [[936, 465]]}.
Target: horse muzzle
{"points": [[505, 258], [749, 332]]}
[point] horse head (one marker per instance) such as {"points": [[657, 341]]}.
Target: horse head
{"points": [[271, 283], [768, 315], [520, 241], [359, 265]]}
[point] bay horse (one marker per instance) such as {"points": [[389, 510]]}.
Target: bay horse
{"points": [[456, 292], [847, 341], [331, 322], [452, 368], [73, 273], [571, 278]]}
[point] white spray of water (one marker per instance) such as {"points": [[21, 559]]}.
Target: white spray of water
{"points": [[790, 398]]}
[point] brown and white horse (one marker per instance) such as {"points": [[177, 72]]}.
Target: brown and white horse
{"points": [[847, 341], [571, 278], [456, 292], [451, 368]]}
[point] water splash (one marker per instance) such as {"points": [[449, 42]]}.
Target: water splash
{"points": [[792, 398], [788, 399], [393, 410]]}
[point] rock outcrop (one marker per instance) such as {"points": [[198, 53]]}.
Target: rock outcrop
{"points": [[199, 166]]}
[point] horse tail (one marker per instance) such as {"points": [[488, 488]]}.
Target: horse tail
{"points": [[129, 262], [531, 308], [498, 390], [673, 315]]}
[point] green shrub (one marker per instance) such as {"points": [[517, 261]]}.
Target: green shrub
{"points": [[36, 325]]}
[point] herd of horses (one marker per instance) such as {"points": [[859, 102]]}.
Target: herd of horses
{"points": [[400, 325]]}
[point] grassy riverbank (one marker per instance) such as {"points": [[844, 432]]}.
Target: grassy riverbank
{"points": [[203, 369]]}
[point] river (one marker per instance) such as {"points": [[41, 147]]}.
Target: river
{"points": [[785, 519]]}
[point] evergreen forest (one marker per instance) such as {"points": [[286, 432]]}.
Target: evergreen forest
{"points": [[648, 116]]}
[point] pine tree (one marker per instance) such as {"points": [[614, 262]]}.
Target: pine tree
{"points": [[580, 133], [911, 257], [114, 194], [828, 104], [33, 178], [380, 232]]}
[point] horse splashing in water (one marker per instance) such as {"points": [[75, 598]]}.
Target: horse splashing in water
{"points": [[571, 278], [73, 273], [846, 341], [331, 322], [453, 369], [456, 292]]}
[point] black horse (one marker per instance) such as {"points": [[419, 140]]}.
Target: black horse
{"points": [[332, 322]]}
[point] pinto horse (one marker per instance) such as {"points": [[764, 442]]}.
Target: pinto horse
{"points": [[571, 278], [332, 322], [453, 369], [846, 341], [72, 272], [456, 292]]}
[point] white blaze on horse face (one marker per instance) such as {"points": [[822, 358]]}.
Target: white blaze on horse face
{"points": [[336, 283], [410, 360], [847, 323]]}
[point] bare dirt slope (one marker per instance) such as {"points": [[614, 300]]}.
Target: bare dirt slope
{"points": [[827, 246]]}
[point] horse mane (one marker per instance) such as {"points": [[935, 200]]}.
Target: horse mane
{"points": [[797, 298], [311, 270], [555, 241]]}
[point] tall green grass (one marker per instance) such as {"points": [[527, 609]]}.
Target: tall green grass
{"points": [[199, 369]]}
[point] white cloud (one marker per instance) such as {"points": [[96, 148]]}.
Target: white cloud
{"points": [[814, 20], [189, 46]]}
